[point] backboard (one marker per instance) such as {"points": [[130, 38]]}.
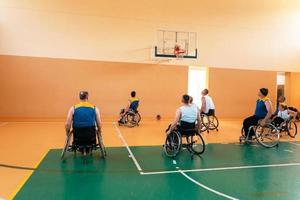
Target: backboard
{"points": [[167, 40]]}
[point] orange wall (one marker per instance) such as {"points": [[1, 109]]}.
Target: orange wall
{"points": [[44, 87], [295, 90], [235, 91]]}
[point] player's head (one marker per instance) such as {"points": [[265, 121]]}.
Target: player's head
{"points": [[185, 99], [133, 94], [83, 95], [204, 92], [281, 99], [263, 92]]}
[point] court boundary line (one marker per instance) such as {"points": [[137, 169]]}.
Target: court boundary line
{"points": [[125, 144], [294, 143], [206, 187], [223, 168], [20, 186], [16, 167]]}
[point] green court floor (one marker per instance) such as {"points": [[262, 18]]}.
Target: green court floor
{"points": [[225, 171]]}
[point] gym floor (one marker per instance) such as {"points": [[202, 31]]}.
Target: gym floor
{"points": [[136, 167]]}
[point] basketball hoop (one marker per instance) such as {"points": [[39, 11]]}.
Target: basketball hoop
{"points": [[178, 51]]}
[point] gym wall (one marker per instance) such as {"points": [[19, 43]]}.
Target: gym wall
{"points": [[46, 88], [293, 89], [235, 91]]}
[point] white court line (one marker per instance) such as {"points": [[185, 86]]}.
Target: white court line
{"points": [[3, 124], [224, 168], [288, 150], [297, 144], [127, 147], [205, 187]]}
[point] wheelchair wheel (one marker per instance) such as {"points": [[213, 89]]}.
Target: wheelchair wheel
{"points": [[132, 119], [67, 144], [197, 143], [268, 135], [205, 122], [172, 144], [138, 117], [101, 145], [213, 123], [292, 129]]}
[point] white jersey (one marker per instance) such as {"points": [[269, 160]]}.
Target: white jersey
{"points": [[189, 113], [284, 114], [209, 104]]}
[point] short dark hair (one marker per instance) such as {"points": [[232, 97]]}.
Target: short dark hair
{"points": [[83, 95], [205, 91], [285, 107], [133, 94], [264, 91], [186, 98]]}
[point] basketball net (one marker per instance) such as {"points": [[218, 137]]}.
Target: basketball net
{"points": [[179, 52]]}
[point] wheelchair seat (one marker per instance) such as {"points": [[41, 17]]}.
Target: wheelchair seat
{"points": [[84, 140], [187, 129]]}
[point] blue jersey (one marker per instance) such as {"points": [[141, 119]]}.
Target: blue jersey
{"points": [[261, 109], [84, 115], [134, 103]]}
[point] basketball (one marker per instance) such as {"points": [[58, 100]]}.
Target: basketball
{"points": [[158, 117]]}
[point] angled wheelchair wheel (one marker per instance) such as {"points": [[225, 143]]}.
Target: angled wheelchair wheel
{"points": [[172, 144], [243, 132], [292, 129], [131, 119], [267, 135], [197, 143], [101, 144], [213, 123], [204, 122], [67, 144], [138, 117]]}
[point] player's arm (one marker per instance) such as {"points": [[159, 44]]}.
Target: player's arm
{"points": [[293, 114], [199, 123], [269, 114], [203, 105], [127, 106], [175, 122], [69, 120], [98, 119]]}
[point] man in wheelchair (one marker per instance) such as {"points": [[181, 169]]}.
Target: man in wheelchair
{"points": [[208, 106], [186, 117], [263, 112], [184, 126], [284, 120], [84, 118], [132, 106]]}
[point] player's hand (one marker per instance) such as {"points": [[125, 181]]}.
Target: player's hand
{"points": [[263, 122]]}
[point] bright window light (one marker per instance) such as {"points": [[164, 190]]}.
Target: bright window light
{"points": [[196, 83]]}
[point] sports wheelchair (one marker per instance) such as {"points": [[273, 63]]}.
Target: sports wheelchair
{"points": [[210, 121], [288, 127], [85, 149], [131, 119], [267, 135], [174, 143]]}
